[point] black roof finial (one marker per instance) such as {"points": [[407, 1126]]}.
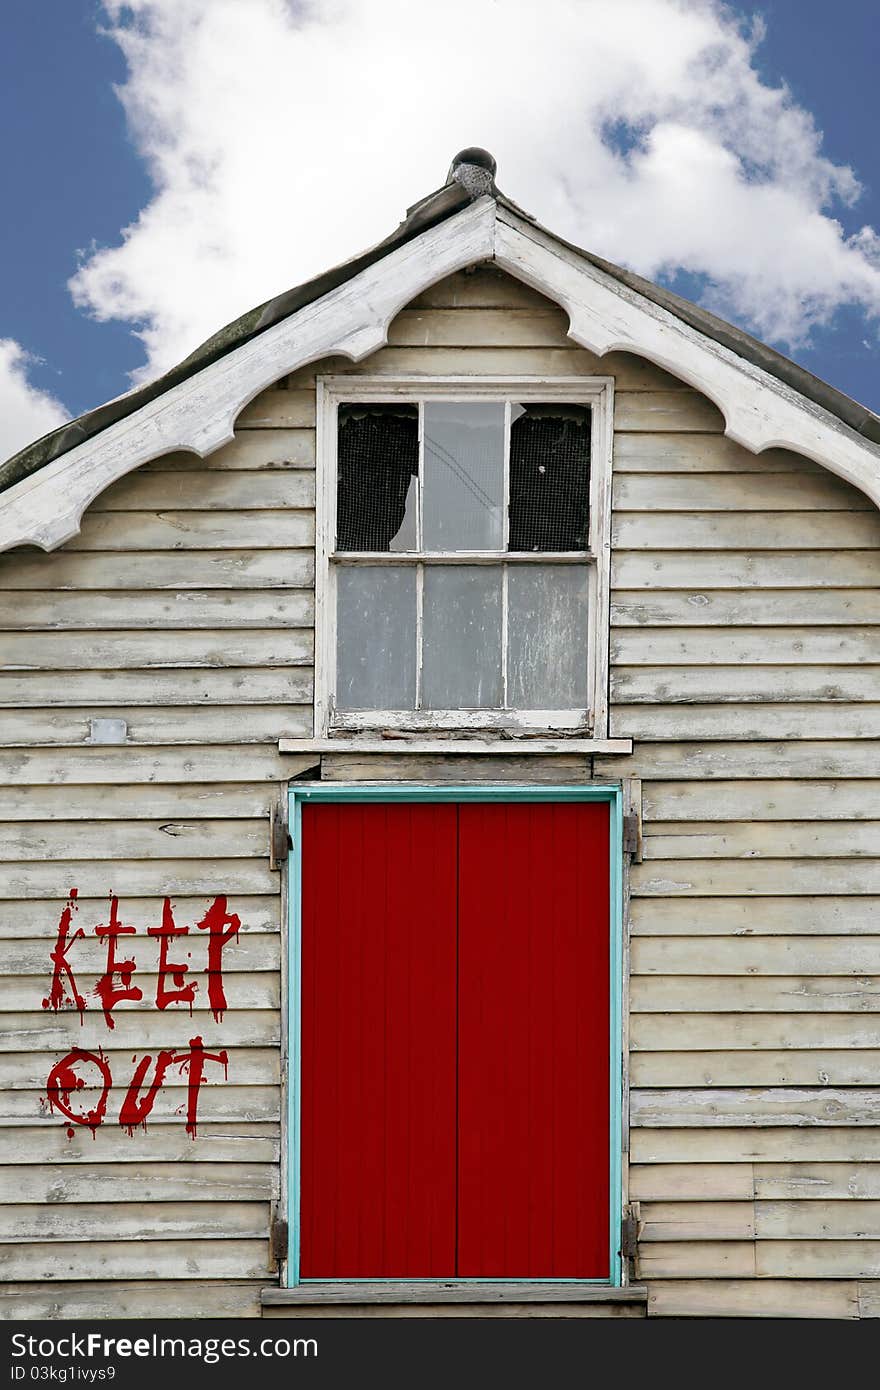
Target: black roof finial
{"points": [[474, 168]]}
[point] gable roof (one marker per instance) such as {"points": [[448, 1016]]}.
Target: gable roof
{"points": [[467, 220]]}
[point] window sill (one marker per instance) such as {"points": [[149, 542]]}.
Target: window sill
{"points": [[534, 747]]}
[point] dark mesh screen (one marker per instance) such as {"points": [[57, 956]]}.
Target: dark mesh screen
{"points": [[378, 455], [550, 478]]}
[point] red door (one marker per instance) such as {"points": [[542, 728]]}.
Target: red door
{"points": [[455, 1041]]}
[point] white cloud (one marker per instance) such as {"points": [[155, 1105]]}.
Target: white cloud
{"points": [[283, 137], [25, 411]]}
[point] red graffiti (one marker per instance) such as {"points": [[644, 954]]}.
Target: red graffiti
{"points": [[194, 1061], [57, 997], [109, 993], [63, 1082], [134, 1110], [216, 921], [182, 993]]}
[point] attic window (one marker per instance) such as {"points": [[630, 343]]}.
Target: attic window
{"points": [[458, 559]]}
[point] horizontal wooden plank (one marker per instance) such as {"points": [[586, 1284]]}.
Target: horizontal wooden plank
{"points": [[705, 1107], [746, 877], [26, 920], [61, 570], [138, 878], [696, 1220], [783, 1067], [815, 758], [775, 1145], [141, 839], [94, 1299], [212, 724], [233, 801], [656, 411], [855, 1219], [139, 1220], [756, 956], [252, 450], [156, 1259], [709, 1259], [805, 530], [544, 325], [748, 492], [275, 685], [278, 408], [248, 1066], [117, 765], [203, 488], [487, 768], [751, 607], [195, 1181], [762, 1032], [716, 685], [219, 1100], [244, 989], [760, 799], [776, 993], [760, 569], [748, 721], [219, 1141], [691, 1182], [761, 839], [477, 287], [467, 361], [55, 651], [869, 1299], [187, 530], [801, 1259], [733, 646], [702, 453], [817, 1181], [753, 1298], [26, 956], [240, 608], [41, 1030], [718, 917]]}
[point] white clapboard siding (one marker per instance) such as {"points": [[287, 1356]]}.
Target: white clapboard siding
{"points": [[749, 721], [723, 608], [777, 1144], [250, 450], [57, 651], [745, 571], [702, 453], [853, 1219], [220, 1099], [142, 878], [207, 488], [756, 956], [814, 1066], [136, 839], [279, 407], [743, 917], [145, 725], [785, 993], [760, 800], [754, 1298], [732, 646], [253, 951], [62, 571], [217, 802], [106, 767], [180, 1258], [189, 530], [22, 920], [277, 685], [249, 990], [165, 1141], [195, 1181], [686, 1032], [131, 1221], [188, 609], [814, 758], [694, 1182], [761, 840], [248, 1066], [752, 492], [709, 877], [759, 1106], [817, 1181], [60, 1301], [727, 530]]}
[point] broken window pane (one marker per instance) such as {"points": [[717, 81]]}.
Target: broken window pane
{"points": [[547, 637], [376, 637], [377, 472], [549, 477], [464, 475], [461, 629]]}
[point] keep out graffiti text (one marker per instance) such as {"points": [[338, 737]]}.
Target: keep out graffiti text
{"points": [[80, 1083]]}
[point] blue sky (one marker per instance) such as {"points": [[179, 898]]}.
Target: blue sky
{"points": [[79, 168]]}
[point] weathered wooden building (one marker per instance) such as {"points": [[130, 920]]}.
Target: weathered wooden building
{"points": [[542, 608]]}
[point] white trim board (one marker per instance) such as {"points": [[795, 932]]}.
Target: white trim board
{"points": [[198, 414]]}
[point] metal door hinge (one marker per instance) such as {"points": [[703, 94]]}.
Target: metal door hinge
{"points": [[632, 834], [280, 843], [629, 1235], [278, 1240]]}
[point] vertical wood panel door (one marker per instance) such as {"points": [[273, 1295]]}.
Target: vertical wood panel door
{"points": [[455, 1024]]}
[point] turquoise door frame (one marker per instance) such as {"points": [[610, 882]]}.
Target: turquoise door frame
{"points": [[610, 793]]}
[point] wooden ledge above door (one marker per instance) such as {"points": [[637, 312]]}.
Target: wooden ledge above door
{"points": [[496, 747]]}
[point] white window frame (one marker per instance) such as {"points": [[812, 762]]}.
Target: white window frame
{"points": [[595, 392]]}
